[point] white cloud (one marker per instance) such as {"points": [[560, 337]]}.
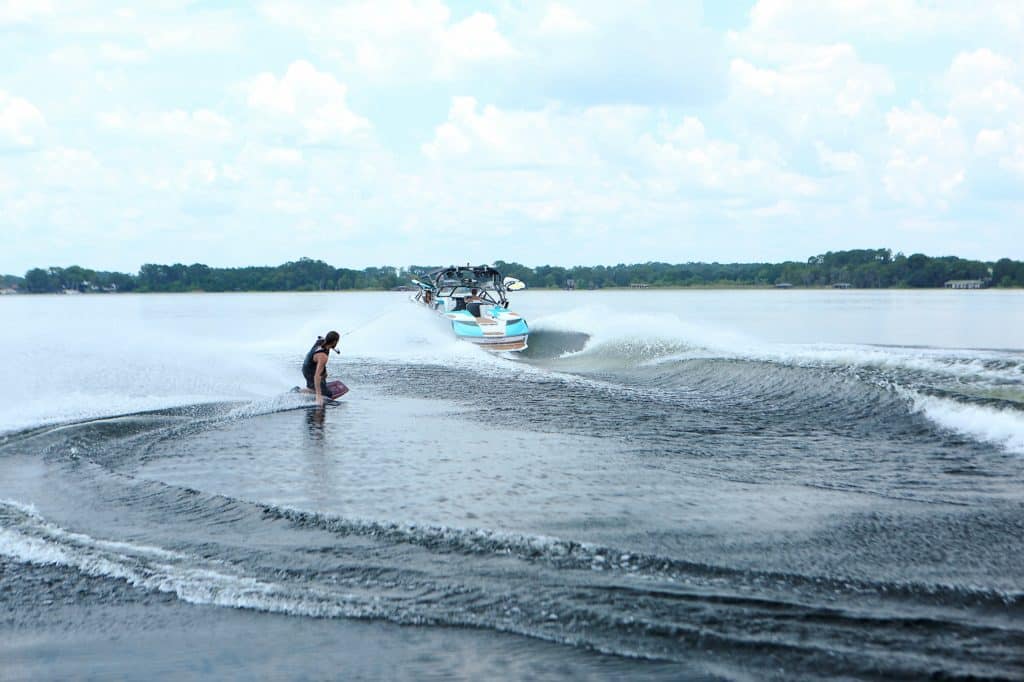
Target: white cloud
{"points": [[474, 39], [685, 153], [70, 168], [545, 122], [398, 39], [1005, 147], [883, 20], [982, 64], [1014, 160], [599, 165], [561, 20], [286, 198], [203, 33], [191, 177], [928, 157], [985, 87], [492, 137], [113, 52], [826, 18], [6, 182], [779, 209], [20, 122], [839, 162], [284, 156], [308, 100], [594, 53], [24, 11], [989, 142], [203, 172], [689, 133], [158, 27], [986, 95], [809, 88], [201, 124]]}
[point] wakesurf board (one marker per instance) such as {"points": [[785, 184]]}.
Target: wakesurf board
{"points": [[335, 389]]}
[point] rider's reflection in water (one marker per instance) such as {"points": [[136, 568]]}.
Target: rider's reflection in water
{"points": [[321, 485], [315, 423]]}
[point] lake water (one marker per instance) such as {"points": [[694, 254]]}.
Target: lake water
{"points": [[703, 484]]}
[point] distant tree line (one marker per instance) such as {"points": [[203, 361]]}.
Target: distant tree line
{"points": [[302, 275], [862, 268], [866, 268], [8, 281]]}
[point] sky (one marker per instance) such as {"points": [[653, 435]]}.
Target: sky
{"points": [[401, 132]]}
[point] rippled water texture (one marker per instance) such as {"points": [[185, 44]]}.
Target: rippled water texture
{"points": [[695, 484]]}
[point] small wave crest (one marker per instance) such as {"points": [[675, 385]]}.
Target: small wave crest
{"points": [[1004, 427], [27, 537]]}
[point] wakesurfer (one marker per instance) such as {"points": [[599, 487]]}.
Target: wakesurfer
{"points": [[314, 366]]}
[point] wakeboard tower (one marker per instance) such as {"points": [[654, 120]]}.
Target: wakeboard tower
{"points": [[486, 322]]}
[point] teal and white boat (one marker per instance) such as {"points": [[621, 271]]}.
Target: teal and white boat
{"points": [[473, 299]]}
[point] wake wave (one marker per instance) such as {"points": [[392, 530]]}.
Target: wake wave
{"points": [[637, 338], [977, 393], [27, 537], [572, 555], [634, 605]]}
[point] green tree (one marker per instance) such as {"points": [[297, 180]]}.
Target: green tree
{"points": [[38, 281]]}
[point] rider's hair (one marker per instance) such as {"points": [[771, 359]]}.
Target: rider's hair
{"points": [[331, 339]]}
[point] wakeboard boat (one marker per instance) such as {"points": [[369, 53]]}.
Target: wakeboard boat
{"points": [[473, 300]]}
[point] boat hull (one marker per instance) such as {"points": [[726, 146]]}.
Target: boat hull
{"points": [[492, 333], [495, 345]]}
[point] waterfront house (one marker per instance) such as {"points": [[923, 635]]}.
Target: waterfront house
{"points": [[966, 284]]}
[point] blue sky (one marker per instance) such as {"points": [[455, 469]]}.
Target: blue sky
{"points": [[423, 131]]}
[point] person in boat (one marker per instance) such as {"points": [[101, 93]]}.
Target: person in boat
{"points": [[314, 366], [473, 303]]}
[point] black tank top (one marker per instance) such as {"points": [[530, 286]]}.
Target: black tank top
{"points": [[309, 363]]}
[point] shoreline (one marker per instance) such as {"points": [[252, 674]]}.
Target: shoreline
{"points": [[696, 287]]}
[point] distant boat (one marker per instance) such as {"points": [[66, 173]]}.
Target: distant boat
{"points": [[783, 285], [486, 322]]}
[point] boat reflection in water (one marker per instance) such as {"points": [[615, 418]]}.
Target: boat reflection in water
{"points": [[484, 318]]}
